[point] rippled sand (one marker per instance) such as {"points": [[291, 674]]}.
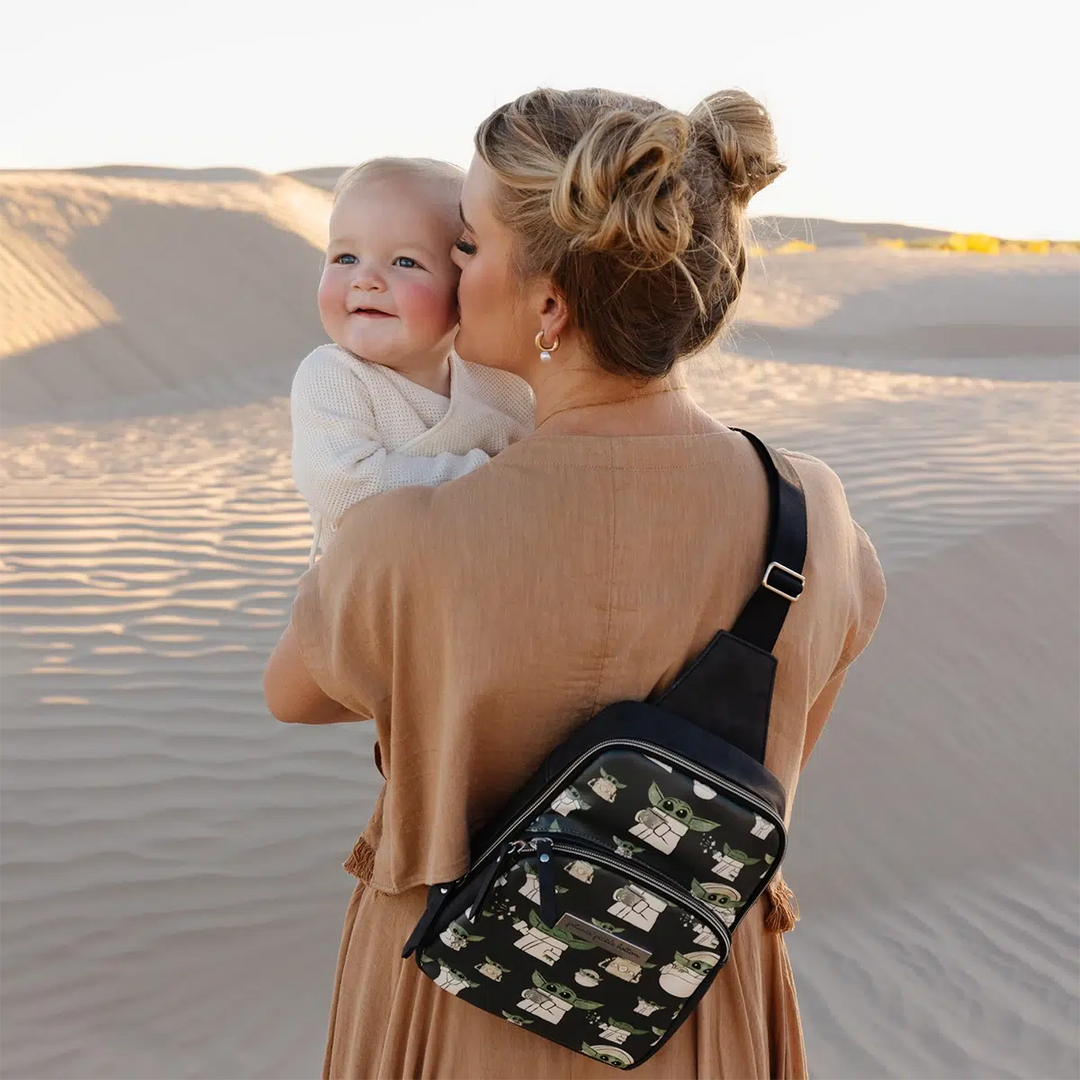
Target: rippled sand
{"points": [[172, 892]]}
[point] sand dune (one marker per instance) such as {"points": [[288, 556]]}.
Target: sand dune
{"points": [[104, 276], [964, 920], [171, 855], [939, 313], [771, 232]]}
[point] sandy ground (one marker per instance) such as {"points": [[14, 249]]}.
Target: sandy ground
{"points": [[172, 893]]}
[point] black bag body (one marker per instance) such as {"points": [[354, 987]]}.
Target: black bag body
{"points": [[600, 903]]}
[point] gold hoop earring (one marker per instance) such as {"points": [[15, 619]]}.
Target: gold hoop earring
{"points": [[546, 350]]}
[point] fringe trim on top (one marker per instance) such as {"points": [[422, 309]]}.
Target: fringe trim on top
{"points": [[361, 863], [783, 911]]}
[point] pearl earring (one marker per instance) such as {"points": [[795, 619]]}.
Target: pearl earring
{"points": [[546, 350]]}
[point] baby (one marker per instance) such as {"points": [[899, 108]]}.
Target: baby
{"points": [[390, 403]]}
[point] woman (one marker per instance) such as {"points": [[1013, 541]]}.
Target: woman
{"points": [[479, 622]]}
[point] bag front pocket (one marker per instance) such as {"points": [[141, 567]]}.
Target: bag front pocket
{"points": [[623, 954], [672, 815]]}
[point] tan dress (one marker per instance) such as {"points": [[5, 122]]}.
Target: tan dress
{"points": [[478, 623]]}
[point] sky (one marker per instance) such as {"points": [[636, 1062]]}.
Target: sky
{"points": [[951, 115]]}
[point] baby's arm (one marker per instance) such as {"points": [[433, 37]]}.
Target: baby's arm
{"points": [[337, 453]]}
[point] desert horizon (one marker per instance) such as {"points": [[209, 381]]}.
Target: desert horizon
{"points": [[171, 854]]}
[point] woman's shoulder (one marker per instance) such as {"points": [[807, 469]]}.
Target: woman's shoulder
{"points": [[831, 523], [813, 470], [391, 525], [823, 488], [420, 528], [430, 534]]}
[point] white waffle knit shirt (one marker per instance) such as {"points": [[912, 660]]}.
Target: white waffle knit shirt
{"points": [[360, 428]]}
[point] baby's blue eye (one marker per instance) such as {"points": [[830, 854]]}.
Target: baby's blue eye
{"points": [[342, 259], [406, 258]]}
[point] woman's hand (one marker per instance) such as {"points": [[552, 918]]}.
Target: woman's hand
{"points": [[292, 695]]}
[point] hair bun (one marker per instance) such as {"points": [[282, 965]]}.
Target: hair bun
{"points": [[738, 129], [622, 188], [634, 213]]}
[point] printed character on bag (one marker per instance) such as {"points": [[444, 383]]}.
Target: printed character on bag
{"points": [[609, 1055], [647, 1008], [569, 800], [605, 785], [730, 865], [667, 821], [581, 870], [618, 1031], [637, 907], [545, 943], [551, 1001], [723, 899], [457, 937], [624, 969], [762, 828], [517, 1021], [704, 936], [684, 974], [491, 969], [531, 889], [451, 981]]}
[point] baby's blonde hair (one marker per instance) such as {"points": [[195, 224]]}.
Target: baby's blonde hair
{"points": [[636, 212], [441, 178]]}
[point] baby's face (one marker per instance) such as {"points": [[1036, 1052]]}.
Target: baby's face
{"points": [[388, 292]]}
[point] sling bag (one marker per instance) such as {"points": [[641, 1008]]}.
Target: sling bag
{"points": [[600, 903]]}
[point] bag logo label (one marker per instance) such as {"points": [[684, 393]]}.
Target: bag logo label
{"points": [[595, 936]]}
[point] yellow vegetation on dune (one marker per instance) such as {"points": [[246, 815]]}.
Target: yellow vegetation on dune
{"points": [[983, 244], [790, 247], [1034, 247], [979, 243]]}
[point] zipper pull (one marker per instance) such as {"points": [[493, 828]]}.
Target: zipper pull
{"points": [[545, 874], [490, 876]]}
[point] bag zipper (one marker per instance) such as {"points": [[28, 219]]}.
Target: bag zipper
{"points": [[516, 847], [655, 751], [662, 886]]}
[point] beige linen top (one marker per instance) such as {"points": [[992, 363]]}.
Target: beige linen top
{"points": [[479, 622]]}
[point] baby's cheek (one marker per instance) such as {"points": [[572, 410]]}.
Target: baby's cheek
{"points": [[433, 305], [331, 299]]}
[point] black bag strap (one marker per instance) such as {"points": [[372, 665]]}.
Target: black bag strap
{"points": [[782, 584], [727, 687]]}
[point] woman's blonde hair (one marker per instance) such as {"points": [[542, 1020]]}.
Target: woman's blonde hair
{"points": [[635, 211]]}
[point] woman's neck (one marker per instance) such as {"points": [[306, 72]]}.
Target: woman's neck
{"points": [[578, 399]]}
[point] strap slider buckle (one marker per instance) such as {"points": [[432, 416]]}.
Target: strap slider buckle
{"points": [[789, 587]]}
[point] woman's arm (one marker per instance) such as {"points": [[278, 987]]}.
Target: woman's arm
{"points": [[335, 662], [869, 599], [292, 695]]}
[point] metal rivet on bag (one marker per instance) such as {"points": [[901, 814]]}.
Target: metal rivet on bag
{"points": [[545, 858]]}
